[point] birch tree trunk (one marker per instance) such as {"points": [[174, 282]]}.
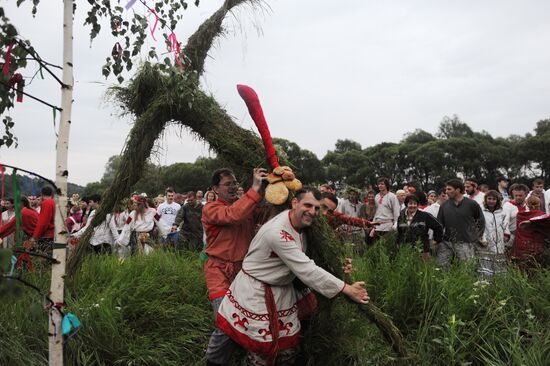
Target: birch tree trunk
{"points": [[61, 175]]}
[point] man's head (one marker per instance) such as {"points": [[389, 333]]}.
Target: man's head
{"points": [[305, 207], [47, 191], [442, 195], [240, 191], [353, 195], [225, 185], [199, 196], [470, 186], [411, 202], [329, 202], [170, 194], [25, 202], [519, 193], [8, 203], [538, 186], [93, 201], [383, 184], [484, 188], [502, 183], [191, 198], [454, 188], [330, 188]]}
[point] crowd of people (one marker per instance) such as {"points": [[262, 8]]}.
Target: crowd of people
{"points": [[256, 269]]}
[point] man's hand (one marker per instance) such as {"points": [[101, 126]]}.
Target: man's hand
{"points": [[260, 174], [357, 292]]}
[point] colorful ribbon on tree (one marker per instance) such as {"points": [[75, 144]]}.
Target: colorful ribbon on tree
{"points": [[154, 12], [7, 59], [2, 172], [175, 47]]}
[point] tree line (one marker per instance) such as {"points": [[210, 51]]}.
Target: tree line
{"points": [[421, 157]]}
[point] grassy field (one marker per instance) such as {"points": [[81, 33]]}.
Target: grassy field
{"points": [[153, 310]]}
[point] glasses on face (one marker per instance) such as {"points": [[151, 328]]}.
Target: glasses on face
{"points": [[230, 184]]}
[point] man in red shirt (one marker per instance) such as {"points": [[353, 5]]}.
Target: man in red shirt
{"points": [[29, 218], [44, 230], [229, 224]]}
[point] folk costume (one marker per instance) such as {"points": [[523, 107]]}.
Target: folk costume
{"points": [[136, 234], [491, 256], [260, 309]]}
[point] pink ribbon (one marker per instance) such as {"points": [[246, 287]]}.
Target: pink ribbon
{"points": [[2, 170], [154, 25], [6, 69], [175, 46]]}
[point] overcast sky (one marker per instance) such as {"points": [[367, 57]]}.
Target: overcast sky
{"points": [[324, 70]]}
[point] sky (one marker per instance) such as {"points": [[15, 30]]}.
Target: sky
{"points": [[369, 71]]}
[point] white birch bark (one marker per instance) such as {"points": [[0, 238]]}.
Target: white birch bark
{"points": [[61, 175]]}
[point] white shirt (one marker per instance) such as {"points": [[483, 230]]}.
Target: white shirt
{"points": [[168, 212], [479, 197], [387, 211], [104, 233]]}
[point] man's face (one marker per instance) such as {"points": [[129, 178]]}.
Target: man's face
{"points": [[227, 189], [382, 187], [7, 204], [353, 196], [470, 187], [452, 192], [327, 207], [443, 197], [240, 191], [538, 188], [93, 204], [324, 189], [503, 184], [305, 210], [199, 196], [519, 197], [191, 200], [170, 197], [371, 197]]}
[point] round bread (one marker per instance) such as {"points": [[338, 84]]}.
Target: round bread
{"points": [[278, 170], [277, 193], [272, 178], [293, 185], [288, 175]]}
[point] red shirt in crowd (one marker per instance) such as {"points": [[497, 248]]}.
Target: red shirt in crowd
{"points": [[29, 217], [45, 225]]}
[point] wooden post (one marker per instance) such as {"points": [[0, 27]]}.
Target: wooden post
{"points": [[61, 176]]}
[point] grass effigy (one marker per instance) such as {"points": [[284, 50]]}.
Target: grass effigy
{"points": [[158, 96]]}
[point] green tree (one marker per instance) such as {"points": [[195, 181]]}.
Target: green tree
{"points": [[305, 164]]}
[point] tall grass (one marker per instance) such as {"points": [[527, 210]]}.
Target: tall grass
{"points": [[153, 310]]}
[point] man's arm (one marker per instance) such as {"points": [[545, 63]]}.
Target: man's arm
{"points": [[217, 213], [479, 221]]}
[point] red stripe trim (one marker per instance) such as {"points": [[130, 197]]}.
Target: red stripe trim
{"points": [[253, 345]]}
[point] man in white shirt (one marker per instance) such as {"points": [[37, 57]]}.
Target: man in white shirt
{"points": [[168, 211], [387, 209], [471, 187]]}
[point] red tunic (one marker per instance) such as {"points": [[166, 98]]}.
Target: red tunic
{"points": [[229, 230], [29, 217], [528, 243], [45, 225]]}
